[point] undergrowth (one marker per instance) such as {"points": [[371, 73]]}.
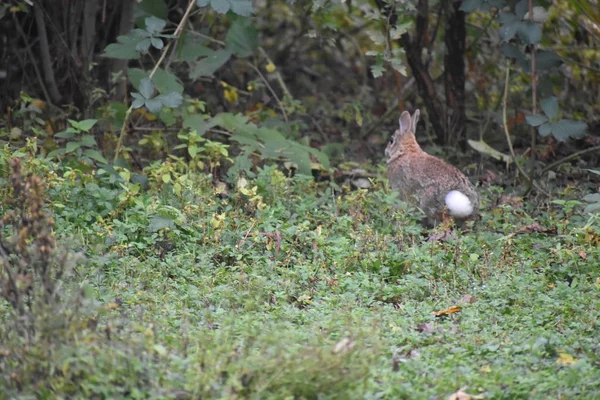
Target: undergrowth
{"points": [[287, 288]]}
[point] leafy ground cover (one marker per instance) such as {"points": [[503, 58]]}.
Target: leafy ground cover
{"points": [[287, 288]]}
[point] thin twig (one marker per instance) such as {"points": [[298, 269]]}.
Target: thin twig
{"points": [[569, 158], [534, 76], [156, 67], [286, 92], [264, 80]]}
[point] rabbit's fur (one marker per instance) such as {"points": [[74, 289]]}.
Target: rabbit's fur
{"points": [[434, 185]]}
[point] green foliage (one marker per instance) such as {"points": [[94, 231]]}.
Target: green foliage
{"points": [[550, 124], [240, 7], [80, 142]]}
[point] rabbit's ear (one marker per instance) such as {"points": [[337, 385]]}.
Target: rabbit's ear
{"points": [[404, 122], [415, 120]]}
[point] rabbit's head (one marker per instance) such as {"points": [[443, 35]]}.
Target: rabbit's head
{"points": [[408, 127]]}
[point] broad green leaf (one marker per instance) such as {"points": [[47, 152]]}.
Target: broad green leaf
{"points": [[190, 48], [88, 141], [154, 105], [242, 38], [486, 149], [594, 171], [72, 146], [242, 7], [124, 49], [550, 107], [158, 223], [535, 120], [158, 8], [592, 208], [547, 59], [95, 155], [155, 25], [301, 158], [220, 6], [146, 88], [157, 43], [321, 157], [166, 82], [65, 134], [138, 102], [507, 31], [565, 128], [136, 75], [521, 8], [86, 124], [144, 45], [196, 123], [592, 197], [529, 32], [207, 66], [508, 18], [545, 129], [172, 99], [470, 5]]}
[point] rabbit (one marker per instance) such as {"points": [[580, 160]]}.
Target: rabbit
{"points": [[437, 186]]}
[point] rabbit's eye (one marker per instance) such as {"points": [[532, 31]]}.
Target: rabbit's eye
{"points": [[393, 139]]}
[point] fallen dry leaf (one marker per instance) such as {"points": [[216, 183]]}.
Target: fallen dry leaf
{"points": [[512, 201], [462, 395], [447, 311]]}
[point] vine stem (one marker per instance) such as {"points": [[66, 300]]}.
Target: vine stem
{"points": [[178, 31], [505, 124]]}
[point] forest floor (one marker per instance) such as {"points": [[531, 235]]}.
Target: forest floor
{"points": [[287, 288]]}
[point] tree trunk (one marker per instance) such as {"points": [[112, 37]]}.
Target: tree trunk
{"points": [[454, 74], [126, 24]]}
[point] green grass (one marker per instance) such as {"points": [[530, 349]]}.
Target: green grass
{"points": [[297, 291]]}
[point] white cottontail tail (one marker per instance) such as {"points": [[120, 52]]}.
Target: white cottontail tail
{"points": [[436, 186]]}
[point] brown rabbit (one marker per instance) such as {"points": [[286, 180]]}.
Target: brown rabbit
{"points": [[435, 185]]}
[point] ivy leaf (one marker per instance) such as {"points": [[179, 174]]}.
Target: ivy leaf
{"points": [[510, 24], [172, 99], [154, 105], [190, 48], [470, 5], [535, 120], [146, 88], [550, 107], [240, 7], [529, 32], [207, 66], [566, 128], [242, 38], [155, 25]]}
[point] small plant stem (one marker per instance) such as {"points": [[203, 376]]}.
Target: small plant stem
{"points": [[262, 78], [505, 124], [178, 31], [534, 77], [569, 158]]}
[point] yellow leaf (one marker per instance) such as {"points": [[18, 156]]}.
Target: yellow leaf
{"points": [[231, 94], [451, 310], [566, 359], [270, 67], [41, 104], [597, 283], [486, 369]]}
